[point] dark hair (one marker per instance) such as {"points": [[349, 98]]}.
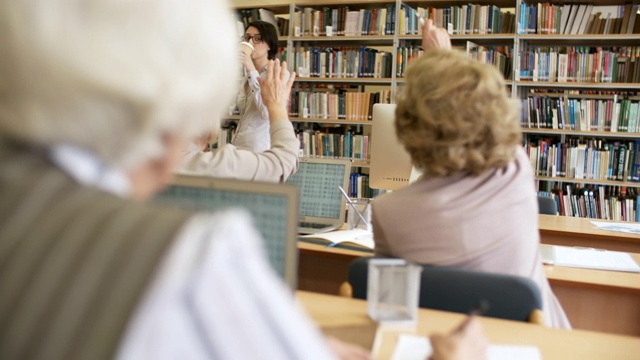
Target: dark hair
{"points": [[269, 34]]}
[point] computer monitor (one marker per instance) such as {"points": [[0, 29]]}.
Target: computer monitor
{"points": [[274, 208], [321, 203], [390, 166]]}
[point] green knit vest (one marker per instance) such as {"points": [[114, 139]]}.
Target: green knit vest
{"points": [[74, 261]]}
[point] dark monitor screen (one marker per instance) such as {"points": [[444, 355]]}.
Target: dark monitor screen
{"points": [[274, 208]]}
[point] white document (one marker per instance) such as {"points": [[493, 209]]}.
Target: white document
{"points": [[588, 258], [631, 228], [413, 347]]}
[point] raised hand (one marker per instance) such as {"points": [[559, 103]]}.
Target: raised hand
{"points": [[434, 37], [275, 89]]}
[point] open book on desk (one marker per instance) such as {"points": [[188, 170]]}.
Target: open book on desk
{"points": [[358, 239], [588, 258]]}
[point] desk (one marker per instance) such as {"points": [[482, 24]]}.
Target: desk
{"points": [[598, 300], [572, 231], [331, 312], [323, 269], [593, 299]]}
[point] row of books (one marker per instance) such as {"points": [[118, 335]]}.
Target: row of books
{"points": [[342, 62], [547, 18], [340, 105], [463, 19], [404, 56], [365, 62], [359, 187], [614, 114], [590, 159], [498, 56], [343, 21], [617, 203], [580, 64], [348, 145]]}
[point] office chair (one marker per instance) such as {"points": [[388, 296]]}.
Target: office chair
{"points": [[547, 205], [452, 289]]}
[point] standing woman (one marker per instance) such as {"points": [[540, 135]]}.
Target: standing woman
{"points": [[253, 128]]}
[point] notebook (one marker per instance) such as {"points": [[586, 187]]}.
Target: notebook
{"points": [[588, 258], [274, 208], [322, 207]]}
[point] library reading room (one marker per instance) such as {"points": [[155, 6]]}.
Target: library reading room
{"points": [[320, 179]]}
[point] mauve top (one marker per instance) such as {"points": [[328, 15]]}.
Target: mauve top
{"points": [[486, 223]]}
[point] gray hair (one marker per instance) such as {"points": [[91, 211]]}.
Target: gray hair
{"points": [[113, 76]]}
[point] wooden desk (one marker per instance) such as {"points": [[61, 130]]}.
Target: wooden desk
{"points": [[323, 269], [571, 231], [598, 300], [593, 299], [333, 312]]}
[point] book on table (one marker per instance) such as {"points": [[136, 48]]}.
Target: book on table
{"points": [[359, 239]]}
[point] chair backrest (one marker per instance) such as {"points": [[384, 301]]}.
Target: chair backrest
{"points": [[452, 289], [547, 205]]}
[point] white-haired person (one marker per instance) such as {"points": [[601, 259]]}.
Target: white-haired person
{"points": [[97, 101], [474, 206]]}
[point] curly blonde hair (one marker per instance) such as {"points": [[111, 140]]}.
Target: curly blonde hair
{"points": [[455, 117]]}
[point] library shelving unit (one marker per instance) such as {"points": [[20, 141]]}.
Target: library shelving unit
{"points": [[349, 55], [579, 88], [573, 106]]}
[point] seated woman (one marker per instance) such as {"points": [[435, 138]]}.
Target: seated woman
{"points": [[475, 205]]}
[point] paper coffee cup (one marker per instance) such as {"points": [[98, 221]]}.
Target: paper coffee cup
{"points": [[246, 48]]}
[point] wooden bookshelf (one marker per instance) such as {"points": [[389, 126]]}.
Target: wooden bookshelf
{"points": [[598, 98], [511, 43]]}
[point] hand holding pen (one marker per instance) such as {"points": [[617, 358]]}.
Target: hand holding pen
{"points": [[466, 341]]}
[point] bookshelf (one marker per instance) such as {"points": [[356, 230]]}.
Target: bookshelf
{"points": [[521, 38], [580, 99]]}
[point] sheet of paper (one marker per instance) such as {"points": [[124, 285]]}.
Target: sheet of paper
{"points": [[520, 352], [594, 259], [631, 228], [413, 347]]}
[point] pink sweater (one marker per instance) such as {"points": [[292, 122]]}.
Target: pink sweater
{"points": [[486, 223]]}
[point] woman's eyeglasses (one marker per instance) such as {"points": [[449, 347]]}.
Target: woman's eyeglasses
{"points": [[257, 39]]}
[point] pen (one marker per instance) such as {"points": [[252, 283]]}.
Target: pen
{"points": [[353, 206], [479, 310]]}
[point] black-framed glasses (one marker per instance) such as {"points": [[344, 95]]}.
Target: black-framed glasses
{"points": [[257, 39]]}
